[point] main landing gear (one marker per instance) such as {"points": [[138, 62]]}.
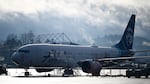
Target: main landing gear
{"points": [[26, 73], [68, 72]]}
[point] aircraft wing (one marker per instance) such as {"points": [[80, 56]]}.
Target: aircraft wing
{"points": [[138, 51], [121, 58]]}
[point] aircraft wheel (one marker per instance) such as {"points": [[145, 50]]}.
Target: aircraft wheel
{"points": [[68, 72], [146, 76], [26, 74], [128, 73], [137, 74], [6, 73], [49, 75]]}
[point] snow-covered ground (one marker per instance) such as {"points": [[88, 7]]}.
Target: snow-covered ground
{"points": [[15, 76]]}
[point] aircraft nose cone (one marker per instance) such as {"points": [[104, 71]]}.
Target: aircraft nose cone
{"points": [[16, 58]]}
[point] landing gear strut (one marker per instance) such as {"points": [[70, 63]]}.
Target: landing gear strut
{"points": [[26, 73], [68, 72]]}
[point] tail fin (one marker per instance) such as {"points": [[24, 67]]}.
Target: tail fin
{"points": [[126, 41]]}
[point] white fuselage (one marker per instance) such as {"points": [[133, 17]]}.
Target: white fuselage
{"points": [[57, 55]]}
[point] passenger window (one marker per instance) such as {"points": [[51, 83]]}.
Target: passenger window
{"points": [[62, 53], [52, 53], [24, 51]]}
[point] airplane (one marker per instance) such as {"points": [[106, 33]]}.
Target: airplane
{"points": [[47, 57]]}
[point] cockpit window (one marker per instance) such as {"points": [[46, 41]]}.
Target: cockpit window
{"points": [[24, 51]]}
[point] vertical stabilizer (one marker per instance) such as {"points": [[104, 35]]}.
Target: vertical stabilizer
{"points": [[126, 41]]}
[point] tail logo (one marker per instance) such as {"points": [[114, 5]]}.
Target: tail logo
{"points": [[126, 41], [129, 37]]}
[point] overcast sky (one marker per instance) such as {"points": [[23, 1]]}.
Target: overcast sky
{"points": [[79, 19]]}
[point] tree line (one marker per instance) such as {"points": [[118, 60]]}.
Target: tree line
{"points": [[13, 40]]}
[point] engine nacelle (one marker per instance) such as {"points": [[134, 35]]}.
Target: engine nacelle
{"points": [[43, 70], [93, 67]]}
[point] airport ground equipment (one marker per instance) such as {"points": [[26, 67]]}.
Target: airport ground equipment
{"points": [[138, 72], [3, 70]]}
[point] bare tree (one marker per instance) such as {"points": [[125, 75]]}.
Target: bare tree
{"points": [[12, 41], [30, 37], [1, 42], [27, 38]]}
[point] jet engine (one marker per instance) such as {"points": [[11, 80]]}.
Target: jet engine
{"points": [[93, 67]]}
